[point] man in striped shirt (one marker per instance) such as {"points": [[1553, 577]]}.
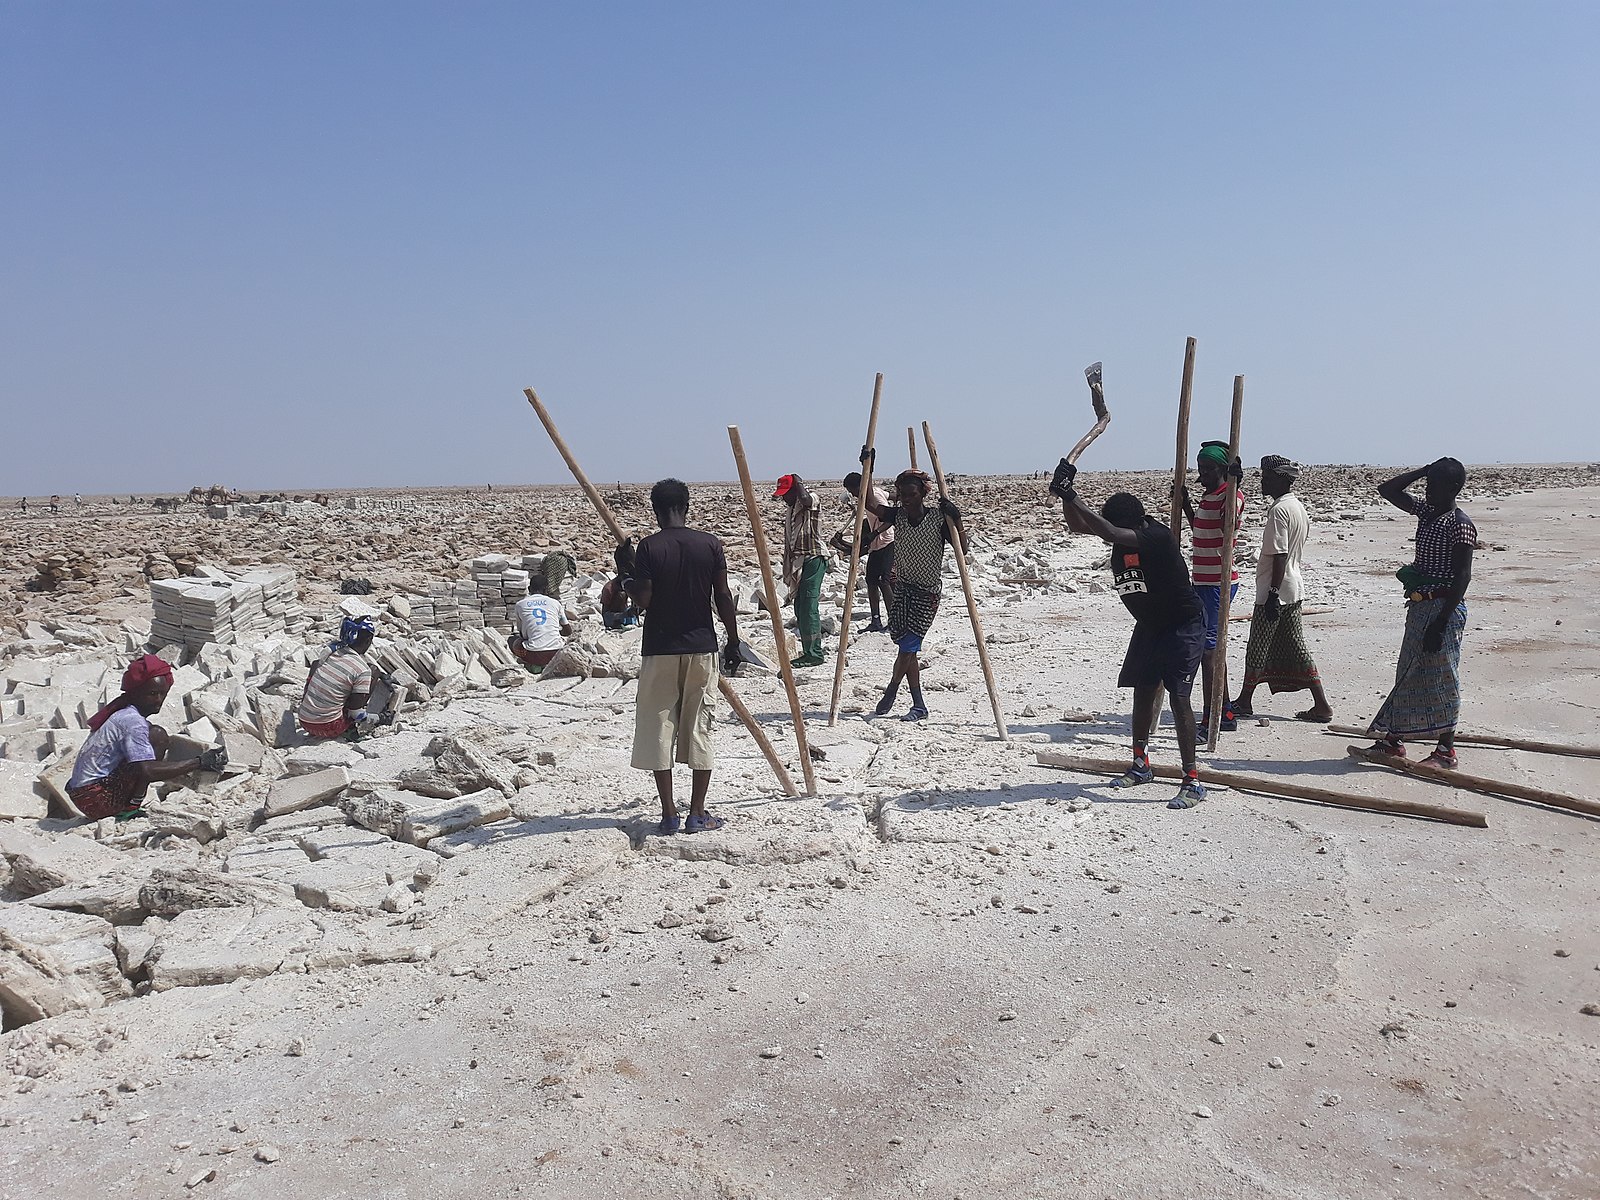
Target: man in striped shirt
{"points": [[1205, 558], [337, 690]]}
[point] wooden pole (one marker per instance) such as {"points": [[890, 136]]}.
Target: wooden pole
{"points": [[1180, 473], [966, 586], [855, 555], [911, 437], [611, 523], [1483, 784], [1272, 787], [1230, 526], [1483, 739], [754, 727], [774, 609]]}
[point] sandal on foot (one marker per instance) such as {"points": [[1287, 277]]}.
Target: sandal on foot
{"points": [[668, 826], [703, 824], [915, 713], [1134, 776], [1191, 793], [1310, 715], [1242, 710], [1387, 749], [884, 706], [1445, 760]]}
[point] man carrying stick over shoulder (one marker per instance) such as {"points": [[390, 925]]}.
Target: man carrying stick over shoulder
{"points": [[920, 535], [1169, 631], [674, 577]]}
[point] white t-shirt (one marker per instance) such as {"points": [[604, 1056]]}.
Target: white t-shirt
{"points": [[1284, 532], [122, 739], [539, 622]]}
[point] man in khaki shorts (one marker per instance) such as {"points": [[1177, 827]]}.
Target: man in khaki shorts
{"points": [[673, 577]]}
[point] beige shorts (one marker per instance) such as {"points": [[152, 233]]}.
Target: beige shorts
{"points": [[677, 703]]}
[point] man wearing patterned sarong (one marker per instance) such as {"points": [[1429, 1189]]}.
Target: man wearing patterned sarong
{"points": [[1426, 700], [1277, 654], [920, 536]]}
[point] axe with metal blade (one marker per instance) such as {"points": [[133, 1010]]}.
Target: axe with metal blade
{"points": [[1097, 396]]}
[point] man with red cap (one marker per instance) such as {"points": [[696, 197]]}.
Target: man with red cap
{"points": [[125, 754], [803, 565]]}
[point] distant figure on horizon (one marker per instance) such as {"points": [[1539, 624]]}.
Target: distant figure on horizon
{"points": [[55, 503], [675, 576], [1277, 654], [1426, 699]]}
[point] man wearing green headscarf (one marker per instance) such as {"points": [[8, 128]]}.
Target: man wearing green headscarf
{"points": [[1205, 555]]}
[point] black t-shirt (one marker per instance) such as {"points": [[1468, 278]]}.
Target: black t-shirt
{"points": [[1153, 580], [682, 566]]}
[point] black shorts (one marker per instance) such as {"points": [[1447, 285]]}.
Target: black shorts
{"points": [[1169, 657], [879, 564]]}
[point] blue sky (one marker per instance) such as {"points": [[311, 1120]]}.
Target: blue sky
{"points": [[327, 244]]}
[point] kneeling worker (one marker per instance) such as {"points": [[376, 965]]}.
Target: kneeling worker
{"points": [[340, 684], [124, 753], [541, 624]]}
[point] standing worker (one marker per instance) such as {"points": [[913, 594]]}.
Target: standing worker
{"points": [[803, 565], [1168, 624], [877, 545], [920, 536], [1277, 654], [674, 576], [1426, 700], [1205, 524]]}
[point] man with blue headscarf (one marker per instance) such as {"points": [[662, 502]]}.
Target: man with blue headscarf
{"points": [[335, 700]]}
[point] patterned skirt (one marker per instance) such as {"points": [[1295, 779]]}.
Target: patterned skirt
{"points": [[1427, 687], [912, 608], [1277, 654]]}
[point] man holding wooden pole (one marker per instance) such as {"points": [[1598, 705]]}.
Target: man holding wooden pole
{"points": [[1206, 522], [674, 576], [920, 535]]}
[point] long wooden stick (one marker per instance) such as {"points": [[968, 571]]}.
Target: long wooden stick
{"points": [[1180, 472], [911, 437], [855, 554], [1482, 739], [966, 586], [1483, 784], [774, 608], [1272, 787], [1230, 526], [754, 727], [611, 523]]}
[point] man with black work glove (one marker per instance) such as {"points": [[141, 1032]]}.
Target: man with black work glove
{"points": [[674, 577]]}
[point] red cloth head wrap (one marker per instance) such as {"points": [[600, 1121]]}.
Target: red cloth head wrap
{"points": [[140, 672]]}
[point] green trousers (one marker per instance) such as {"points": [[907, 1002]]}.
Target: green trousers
{"points": [[807, 599]]}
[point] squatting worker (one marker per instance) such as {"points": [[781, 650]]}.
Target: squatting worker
{"points": [[1426, 700], [920, 536], [877, 543], [674, 576], [125, 753], [541, 623], [1277, 654], [1205, 525], [340, 684], [803, 565], [1149, 574]]}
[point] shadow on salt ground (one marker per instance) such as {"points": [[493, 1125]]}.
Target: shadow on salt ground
{"points": [[993, 797], [501, 833]]}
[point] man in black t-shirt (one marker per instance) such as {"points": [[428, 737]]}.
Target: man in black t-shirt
{"points": [[1169, 632], [673, 577]]}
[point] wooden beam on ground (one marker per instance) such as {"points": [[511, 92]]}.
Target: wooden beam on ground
{"points": [[1484, 739], [610, 520], [774, 608], [1482, 784], [855, 555], [1271, 787], [966, 586]]}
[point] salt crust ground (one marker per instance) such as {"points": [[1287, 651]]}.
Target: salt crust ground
{"points": [[974, 990]]}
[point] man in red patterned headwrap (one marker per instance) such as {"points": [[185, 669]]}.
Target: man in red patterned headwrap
{"points": [[125, 754]]}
